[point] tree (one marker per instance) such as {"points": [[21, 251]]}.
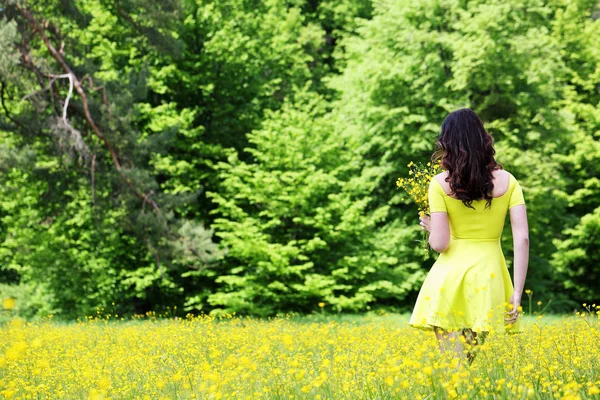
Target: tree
{"points": [[295, 222], [160, 91], [81, 213], [414, 62], [577, 258]]}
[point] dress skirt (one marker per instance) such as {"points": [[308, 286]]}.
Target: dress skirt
{"points": [[468, 287]]}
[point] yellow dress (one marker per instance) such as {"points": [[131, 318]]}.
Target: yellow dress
{"points": [[469, 285]]}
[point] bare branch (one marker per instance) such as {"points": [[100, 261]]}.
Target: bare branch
{"points": [[102, 89], [59, 58], [53, 78], [93, 179], [68, 98], [39, 28], [146, 197]]}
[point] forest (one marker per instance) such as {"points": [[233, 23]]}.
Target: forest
{"points": [[241, 155]]}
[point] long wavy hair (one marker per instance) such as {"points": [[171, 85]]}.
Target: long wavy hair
{"points": [[467, 153]]}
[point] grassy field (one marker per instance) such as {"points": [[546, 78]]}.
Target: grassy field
{"points": [[315, 357]]}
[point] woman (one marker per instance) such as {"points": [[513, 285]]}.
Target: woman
{"points": [[468, 288]]}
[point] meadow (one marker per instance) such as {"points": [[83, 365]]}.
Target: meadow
{"points": [[373, 356]]}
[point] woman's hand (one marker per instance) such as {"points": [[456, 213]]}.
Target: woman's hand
{"points": [[425, 222], [513, 314]]}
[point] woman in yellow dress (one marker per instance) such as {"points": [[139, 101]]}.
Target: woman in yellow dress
{"points": [[468, 288]]}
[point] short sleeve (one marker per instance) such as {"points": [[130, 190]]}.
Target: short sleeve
{"points": [[516, 196], [436, 197]]}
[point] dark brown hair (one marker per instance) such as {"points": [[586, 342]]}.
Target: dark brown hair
{"points": [[467, 153]]}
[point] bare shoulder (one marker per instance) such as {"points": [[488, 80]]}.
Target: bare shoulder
{"points": [[501, 173], [501, 182], [441, 178]]}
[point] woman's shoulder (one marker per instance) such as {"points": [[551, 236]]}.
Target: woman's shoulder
{"points": [[505, 184], [502, 175], [504, 181], [504, 171], [440, 185], [501, 172], [441, 181], [441, 177]]}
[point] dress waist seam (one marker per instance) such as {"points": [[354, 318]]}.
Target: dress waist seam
{"points": [[476, 239]]}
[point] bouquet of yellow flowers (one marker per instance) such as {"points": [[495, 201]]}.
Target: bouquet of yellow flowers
{"points": [[417, 184]]}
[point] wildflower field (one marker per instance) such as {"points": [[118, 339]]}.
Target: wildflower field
{"points": [[344, 357]]}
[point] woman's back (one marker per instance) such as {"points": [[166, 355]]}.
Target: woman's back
{"points": [[479, 222]]}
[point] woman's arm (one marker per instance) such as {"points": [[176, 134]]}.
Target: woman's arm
{"points": [[439, 230], [520, 232]]}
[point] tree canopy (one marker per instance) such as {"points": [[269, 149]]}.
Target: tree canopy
{"points": [[241, 155]]}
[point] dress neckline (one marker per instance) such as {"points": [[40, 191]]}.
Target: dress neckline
{"points": [[498, 197]]}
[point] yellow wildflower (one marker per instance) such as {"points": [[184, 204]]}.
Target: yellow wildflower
{"points": [[9, 303]]}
